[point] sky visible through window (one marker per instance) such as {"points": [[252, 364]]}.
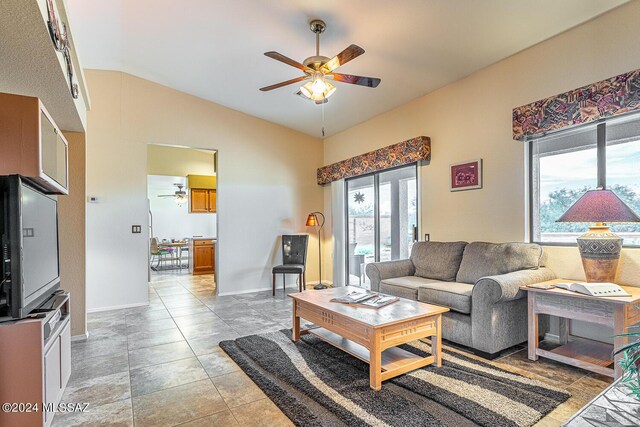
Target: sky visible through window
{"points": [[579, 169], [564, 177]]}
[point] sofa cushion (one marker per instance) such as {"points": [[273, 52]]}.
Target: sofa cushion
{"points": [[483, 259], [456, 296], [403, 287], [437, 260]]}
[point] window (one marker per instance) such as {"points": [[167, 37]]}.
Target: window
{"points": [[565, 165]]}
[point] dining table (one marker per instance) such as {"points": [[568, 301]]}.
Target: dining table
{"points": [[177, 245]]}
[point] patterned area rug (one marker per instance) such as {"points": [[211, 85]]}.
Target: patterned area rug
{"points": [[316, 384]]}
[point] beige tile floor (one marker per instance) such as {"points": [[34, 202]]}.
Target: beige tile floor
{"points": [[160, 365]]}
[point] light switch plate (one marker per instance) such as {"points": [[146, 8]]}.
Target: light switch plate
{"points": [[136, 229]]}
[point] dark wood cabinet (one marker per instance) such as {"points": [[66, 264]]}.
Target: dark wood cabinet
{"points": [[202, 201], [202, 252]]}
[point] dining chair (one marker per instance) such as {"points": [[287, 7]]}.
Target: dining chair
{"points": [[159, 253], [184, 249], [294, 260]]}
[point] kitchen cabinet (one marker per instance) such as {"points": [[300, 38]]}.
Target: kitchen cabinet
{"points": [[202, 256], [202, 200]]}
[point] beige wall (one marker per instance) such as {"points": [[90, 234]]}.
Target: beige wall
{"points": [[175, 161], [472, 119], [71, 223], [266, 185]]}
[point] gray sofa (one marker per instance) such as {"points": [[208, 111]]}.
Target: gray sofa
{"points": [[480, 283]]}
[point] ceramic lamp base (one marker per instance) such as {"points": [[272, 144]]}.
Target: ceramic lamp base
{"points": [[600, 251]]}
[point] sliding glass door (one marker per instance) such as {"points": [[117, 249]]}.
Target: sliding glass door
{"points": [[381, 217]]}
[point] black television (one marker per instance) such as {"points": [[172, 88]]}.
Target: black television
{"points": [[29, 239]]}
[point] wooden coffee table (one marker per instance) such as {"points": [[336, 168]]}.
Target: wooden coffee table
{"points": [[372, 335]]}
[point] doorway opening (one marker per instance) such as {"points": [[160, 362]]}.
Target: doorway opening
{"points": [[182, 192], [382, 219]]}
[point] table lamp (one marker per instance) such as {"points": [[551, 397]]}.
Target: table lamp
{"points": [[599, 247], [312, 221]]}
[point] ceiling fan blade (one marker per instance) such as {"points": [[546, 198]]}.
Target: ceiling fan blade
{"points": [[356, 80], [342, 58], [280, 57], [288, 82]]}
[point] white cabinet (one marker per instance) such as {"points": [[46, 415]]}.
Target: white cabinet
{"points": [[35, 368], [52, 384], [57, 369], [65, 355]]}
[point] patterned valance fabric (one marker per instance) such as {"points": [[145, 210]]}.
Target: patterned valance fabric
{"points": [[610, 97], [399, 154]]}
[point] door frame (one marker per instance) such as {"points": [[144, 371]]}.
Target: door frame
{"points": [[376, 211], [216, 168]]}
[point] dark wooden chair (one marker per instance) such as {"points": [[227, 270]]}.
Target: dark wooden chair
{"points": [[294, 260]]}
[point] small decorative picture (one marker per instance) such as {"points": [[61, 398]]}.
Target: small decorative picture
{"points": [[466, 175]]}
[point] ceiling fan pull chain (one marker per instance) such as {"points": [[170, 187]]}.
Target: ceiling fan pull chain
{"points": [[323, 118]]}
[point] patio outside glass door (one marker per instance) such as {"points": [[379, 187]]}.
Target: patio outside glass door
{"points": [[382, 217]]}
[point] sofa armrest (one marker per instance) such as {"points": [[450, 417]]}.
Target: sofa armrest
{"points": [[378, 271], [506, 287]]}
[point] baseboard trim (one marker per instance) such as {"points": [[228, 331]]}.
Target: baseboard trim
{"points": [[278, 287], [316, 282], [117, 307], [250, 291], [79, 338]]}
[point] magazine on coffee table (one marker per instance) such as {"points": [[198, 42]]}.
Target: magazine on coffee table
{"points": [[366, 298]]}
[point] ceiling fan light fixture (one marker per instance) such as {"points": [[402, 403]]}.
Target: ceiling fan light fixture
{"points": [[318, 86], [311, 91]]}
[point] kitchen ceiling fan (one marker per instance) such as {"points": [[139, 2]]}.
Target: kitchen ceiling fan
{"points": [[180, 195], [319, 69]]}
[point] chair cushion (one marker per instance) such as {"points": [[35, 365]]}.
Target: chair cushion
{"points": [[288, 268], [456, 296], [437, 260], [483, 259], [403, 287]]}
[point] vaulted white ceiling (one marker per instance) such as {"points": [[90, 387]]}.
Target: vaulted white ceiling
{"points": [[214, 48]]}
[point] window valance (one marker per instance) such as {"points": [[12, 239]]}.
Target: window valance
{"points": [[399, 154], [611, 97]]}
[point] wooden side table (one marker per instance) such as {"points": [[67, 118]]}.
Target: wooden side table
{"points": [[616, 312]]}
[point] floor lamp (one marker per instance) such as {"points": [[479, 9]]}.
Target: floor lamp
{"points": [[312, 221]]}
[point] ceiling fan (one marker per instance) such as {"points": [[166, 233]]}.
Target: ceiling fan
{"points": [[319, 69], [180, 195]]}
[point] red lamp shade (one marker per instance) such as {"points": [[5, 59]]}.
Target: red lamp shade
{"points": [[312, 220], [599, 206]]}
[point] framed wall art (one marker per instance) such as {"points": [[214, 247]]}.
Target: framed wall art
{"points": [[466, 175]]}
